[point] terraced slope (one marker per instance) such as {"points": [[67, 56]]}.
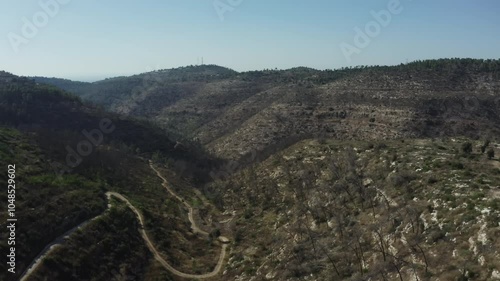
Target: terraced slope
{"points": [[233, 114]]}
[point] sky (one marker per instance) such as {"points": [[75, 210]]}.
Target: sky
{"points": [[89, 40]]}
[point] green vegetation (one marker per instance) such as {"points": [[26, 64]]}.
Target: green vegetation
{"points": [[46, 205], [467, 148], [50, 203], [108, 249], [59, 118]]}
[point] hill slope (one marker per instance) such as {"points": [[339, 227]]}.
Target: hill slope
{"points": [[233, 114], [66, 157], [358, 210], [372, 173]]}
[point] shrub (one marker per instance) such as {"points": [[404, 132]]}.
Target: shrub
{"points": [[456, 165], [467, 148], [403, 178], [381, 145], [491, 153], [432, 180], [436, 235], [483, 149], [484, 146]]}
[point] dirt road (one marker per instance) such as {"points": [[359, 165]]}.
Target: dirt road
{"points": [[58, 241], [157, 255], [53, 245]]}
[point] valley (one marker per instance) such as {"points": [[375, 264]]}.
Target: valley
{"points": [[364, 173], [233, 113], [233, 140]]}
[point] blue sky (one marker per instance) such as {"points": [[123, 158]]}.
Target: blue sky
{"points": [[90, 39]]}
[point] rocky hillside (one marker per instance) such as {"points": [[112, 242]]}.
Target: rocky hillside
{"points": [[359, 210], [233, 114], [370, 173]]}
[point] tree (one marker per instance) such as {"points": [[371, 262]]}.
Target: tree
{"points": [[491, 153], [467, 148], [485, 145], [483, 149]]}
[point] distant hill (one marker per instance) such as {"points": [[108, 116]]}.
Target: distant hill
{"points": [[234, 113], [111, 91], [68, 85]]}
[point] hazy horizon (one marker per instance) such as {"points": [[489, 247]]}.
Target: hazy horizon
{"points": [[90, 41], [96, 78]]}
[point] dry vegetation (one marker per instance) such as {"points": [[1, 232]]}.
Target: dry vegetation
{"points": [[335, 210]]}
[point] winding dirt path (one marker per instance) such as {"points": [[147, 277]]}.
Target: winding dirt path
{"points": [[52, 246], [157, 255], [59, 240], [194, 227]]}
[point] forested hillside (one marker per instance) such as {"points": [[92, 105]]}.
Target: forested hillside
{"points": [[366, 173], [67, 155], [233, 114]]}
